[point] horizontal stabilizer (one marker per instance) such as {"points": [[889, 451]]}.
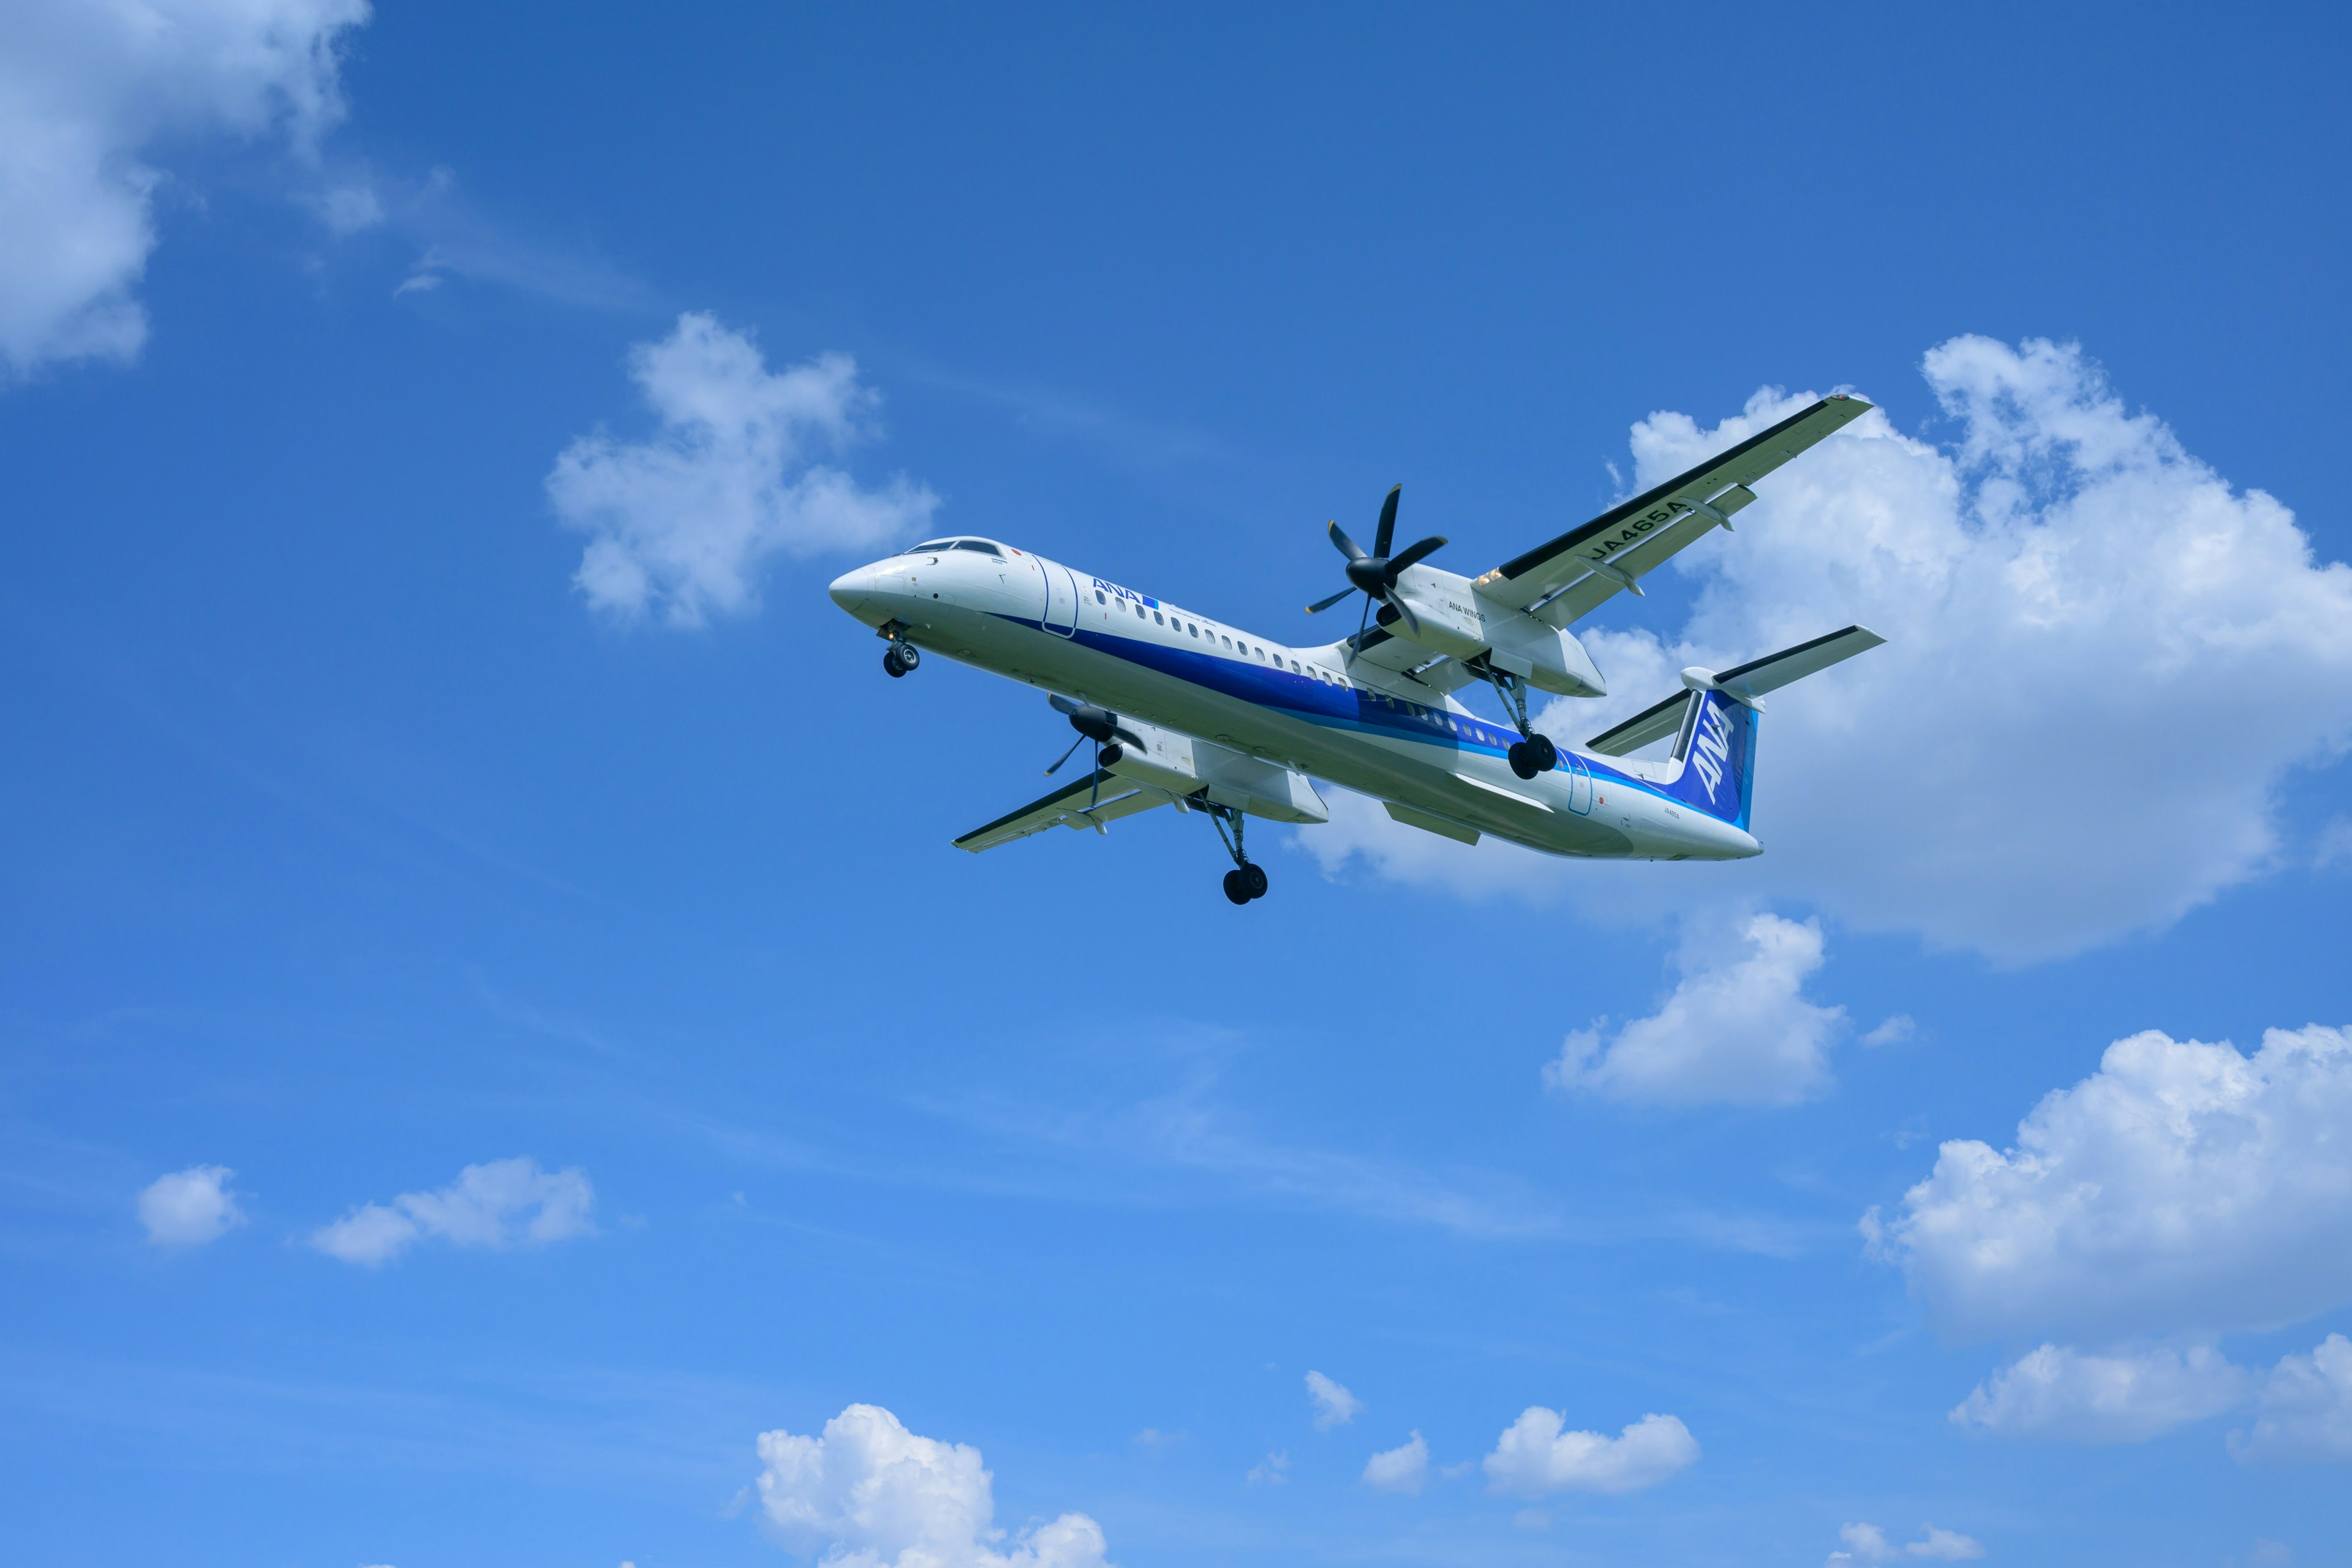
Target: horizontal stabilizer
{"points": [[1774, 670], [1649, 724], [1747, 682]]}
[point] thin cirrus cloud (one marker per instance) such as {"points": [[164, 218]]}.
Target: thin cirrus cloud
{"points": [[190, 1207], [2064, 586], [1736, 1029], [1537, 1455], [1334, 1405], [1867, 1544], [681, 524], [498, 1205], [2181, 1192], [869, 1493], [85, 91]]}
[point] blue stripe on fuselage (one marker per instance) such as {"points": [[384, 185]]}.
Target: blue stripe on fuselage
{"points": [[1335, 707]]}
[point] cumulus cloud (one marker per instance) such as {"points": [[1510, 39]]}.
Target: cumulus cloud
{"points": [[1868, 1544], [85, 90], [1535, 1456], [867, 1493], [190, 1207], [1404, 1468], [2182, 1190], [2064, 588], [2305, 1409], [1334, 1405], [1737, 1028], [2056, 1391], [498, 1205], [681, 524]]}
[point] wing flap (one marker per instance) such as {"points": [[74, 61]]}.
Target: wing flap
{"points": [[1694, 500], [1112, 797]]}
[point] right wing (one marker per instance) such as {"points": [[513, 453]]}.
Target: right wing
{"points": [[1567, 579], [1112, 797]]}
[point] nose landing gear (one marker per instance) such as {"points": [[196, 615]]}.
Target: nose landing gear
{"points": [[900, 658], [1246, 880]]}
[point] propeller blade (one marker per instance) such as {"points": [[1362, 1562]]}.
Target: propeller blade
{"points": [[1388, 521], [1131, 738], [1414, 553], [1064, 705], [1322, 605], [1064, 757], [1347, 547], [1411, 620]]}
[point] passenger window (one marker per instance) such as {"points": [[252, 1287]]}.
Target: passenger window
{"points": [[1294, 667], [1156, 619], [1229, 642], [1098, 597], [1193, 629]]}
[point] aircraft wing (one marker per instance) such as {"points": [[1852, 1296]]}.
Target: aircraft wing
{"points": [[1112, 796], [1569, 577]]}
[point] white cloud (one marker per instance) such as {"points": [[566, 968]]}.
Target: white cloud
{"points": [[1868, 1544], [2305, 1408], [2074, 605], [1737, 1028], [2124, 1398], [682, 523], [1404, 1468], [1534, 1455], [497, 1204], [870, 1494], [1894, 1031], [1334, 1405], [190, 1207], [85, 90], [2183, 1190], [1274, 1470]]}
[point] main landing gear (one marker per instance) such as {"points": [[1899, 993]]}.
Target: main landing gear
{"points": [[1531, 753], [900, 658], [1246, 880]]}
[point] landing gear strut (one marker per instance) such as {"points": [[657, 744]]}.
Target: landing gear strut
{"points": [[1531, 753], [1246, 880], [900, 658]]}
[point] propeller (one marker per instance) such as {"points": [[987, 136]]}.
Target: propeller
{"points": [[1099, 725], [1375, 575]]}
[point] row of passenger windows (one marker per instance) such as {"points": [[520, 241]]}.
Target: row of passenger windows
{"points": [[1192, 629]]}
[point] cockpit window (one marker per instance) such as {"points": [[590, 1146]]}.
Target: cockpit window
{"points": [[934, 544], [983, 546]]}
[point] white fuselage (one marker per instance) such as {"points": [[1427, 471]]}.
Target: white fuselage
{"points": [[1377, 732]]}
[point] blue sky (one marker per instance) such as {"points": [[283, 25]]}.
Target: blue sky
{"points": [[480, 1051]]}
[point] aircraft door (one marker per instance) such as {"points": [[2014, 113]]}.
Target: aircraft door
{"points": [[1579, 786], [1060, 600]]}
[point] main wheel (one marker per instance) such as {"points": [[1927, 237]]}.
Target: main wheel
{"points": [[1254, 879], [908, 656], [890, 665], [1236, 889], [1521, 763], [1543, 754]]}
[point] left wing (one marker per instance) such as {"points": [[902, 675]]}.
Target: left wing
{"points": [[1112, 797], [1564, 580]]}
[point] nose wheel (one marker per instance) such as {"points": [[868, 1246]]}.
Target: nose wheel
{"points": [[900, 658], [1246, 880]]}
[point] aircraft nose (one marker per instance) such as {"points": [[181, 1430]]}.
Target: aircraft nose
{"points": [[851, 590]]}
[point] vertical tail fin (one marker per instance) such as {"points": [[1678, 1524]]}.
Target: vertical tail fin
{"points": [[1716, 748]]}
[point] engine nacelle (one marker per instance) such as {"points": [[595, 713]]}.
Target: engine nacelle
{"points": [[1184, 766], [1456, 619]]}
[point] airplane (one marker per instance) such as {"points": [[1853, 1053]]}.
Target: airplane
{"points": [[1191, 711]]}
